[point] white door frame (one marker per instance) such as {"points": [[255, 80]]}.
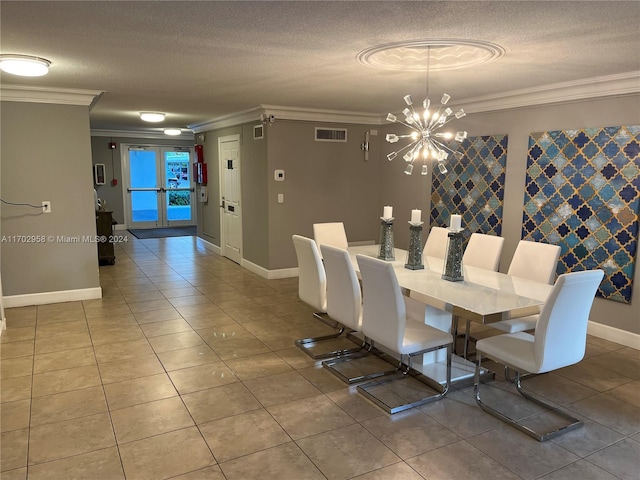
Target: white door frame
{"points": [[221, 168]]}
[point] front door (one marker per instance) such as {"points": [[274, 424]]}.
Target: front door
{"points": [[230, 191], [159, 192]]}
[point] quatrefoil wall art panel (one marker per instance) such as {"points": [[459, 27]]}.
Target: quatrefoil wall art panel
{"points": [[473, 187], [582, 193]]}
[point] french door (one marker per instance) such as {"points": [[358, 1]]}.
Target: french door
{"points": [[159, 187]]}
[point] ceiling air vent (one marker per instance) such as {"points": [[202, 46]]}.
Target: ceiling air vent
{"points": [[331, 134]]}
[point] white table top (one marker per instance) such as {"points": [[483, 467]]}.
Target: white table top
{"points": [[482, 292]]}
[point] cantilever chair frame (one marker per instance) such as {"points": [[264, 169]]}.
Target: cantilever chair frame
{"points": [[541, 437]]}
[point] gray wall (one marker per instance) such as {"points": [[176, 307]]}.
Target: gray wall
{"points": [[101, 153], [46, 155], [518, 124]]}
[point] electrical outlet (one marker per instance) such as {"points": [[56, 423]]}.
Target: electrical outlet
{"points": [[46, 207]]}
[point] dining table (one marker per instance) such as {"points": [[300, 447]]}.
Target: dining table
{"points": [[482, 296]]}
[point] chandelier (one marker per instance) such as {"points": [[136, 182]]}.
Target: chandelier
{"points": [[426, 141]]}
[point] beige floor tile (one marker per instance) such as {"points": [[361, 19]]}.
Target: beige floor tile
{"points": [[285, 461], [72, 437], [21, 314], [177, 289], [143, 296], [65, 380], [296, 358], [159, 315], [581, 469], [67, 406], [101, 464], [16, 367], [347, 452], [60, 317], [397, 471], [208, 473], [202, 377], [139, 390], [356, 405], [121, 320], [281, 340], [148, 419], [58, 343], [459, 460], [17, 474], [107, 311], [219, 402], [322, 379], [116, 335], [15, 447], [130, 368], [627, 393], [239, 347], [121, 351], [167, 327], [508, 446], [620, 459], [17, 349], [151, 305], [18, 334], [610, 412], [257, 366], [17, 388], [310, 416], [243, 434], [183, 301], [15, 415], [589, 438], [200, 310], [281, 388], [175, 341], [188, 357], [50, 362], [410, 433], [250, 314], [66, 328], [210, 321], [166, 455], [224, 333], [593, 376]]}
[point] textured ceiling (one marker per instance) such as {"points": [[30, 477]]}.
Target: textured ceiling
{"points": [[200, 60]]}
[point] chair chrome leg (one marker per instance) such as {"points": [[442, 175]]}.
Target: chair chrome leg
{"points": [[368, 346], [305, 345], [368, 389], [541, 437], [324, 318]]}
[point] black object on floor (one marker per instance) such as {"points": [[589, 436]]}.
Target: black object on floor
{"points": [[163, 232]]}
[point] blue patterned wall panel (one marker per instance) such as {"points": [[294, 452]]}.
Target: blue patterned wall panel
{"points": [[474, 186], [582, 193]]}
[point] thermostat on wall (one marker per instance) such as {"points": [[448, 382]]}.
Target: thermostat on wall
{"points": [[279, 175]]}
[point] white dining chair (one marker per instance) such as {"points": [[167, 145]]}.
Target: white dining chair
{"points": [[535, 261], [312, 279], [344, 303], [396, 323], [436, 244], [559, 341], [483, 251], [330, 233]]}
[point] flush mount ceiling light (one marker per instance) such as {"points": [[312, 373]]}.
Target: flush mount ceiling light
{"points": [[426, 141], [172, 131], [24, 65], [153, 117]]}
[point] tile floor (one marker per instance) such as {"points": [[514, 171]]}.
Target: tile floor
{"points": [[187, 369]]}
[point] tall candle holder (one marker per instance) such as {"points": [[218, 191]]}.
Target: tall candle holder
{"points": [[414, 255], [386, 239], [453, 262]]}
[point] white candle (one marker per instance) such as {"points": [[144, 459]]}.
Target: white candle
{"points": [[416, 216], [456, 222], [387, 212]]}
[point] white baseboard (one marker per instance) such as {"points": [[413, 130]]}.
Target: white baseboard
{"points": [[269, 274], [613, 334], [211, 246], [52, 297], [3, 326], [120, 226]]}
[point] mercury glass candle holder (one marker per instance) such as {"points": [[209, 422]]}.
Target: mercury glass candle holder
{"points": [[453, 262], [414, 254], [386, 239]]}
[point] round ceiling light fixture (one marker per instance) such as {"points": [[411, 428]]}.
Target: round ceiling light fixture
{"points": [[24, 65], [153, 117], [443, 54], [172, 131]]}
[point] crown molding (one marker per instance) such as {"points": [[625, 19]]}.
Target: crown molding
{"points": [[61, 96], [141, 134], [256, 114], [590, 88]]}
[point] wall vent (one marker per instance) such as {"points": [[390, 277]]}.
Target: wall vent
{"points": [[331, 134]]}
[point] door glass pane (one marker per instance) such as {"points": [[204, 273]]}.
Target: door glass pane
{"points": [[178, 185], [142, 168]]}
